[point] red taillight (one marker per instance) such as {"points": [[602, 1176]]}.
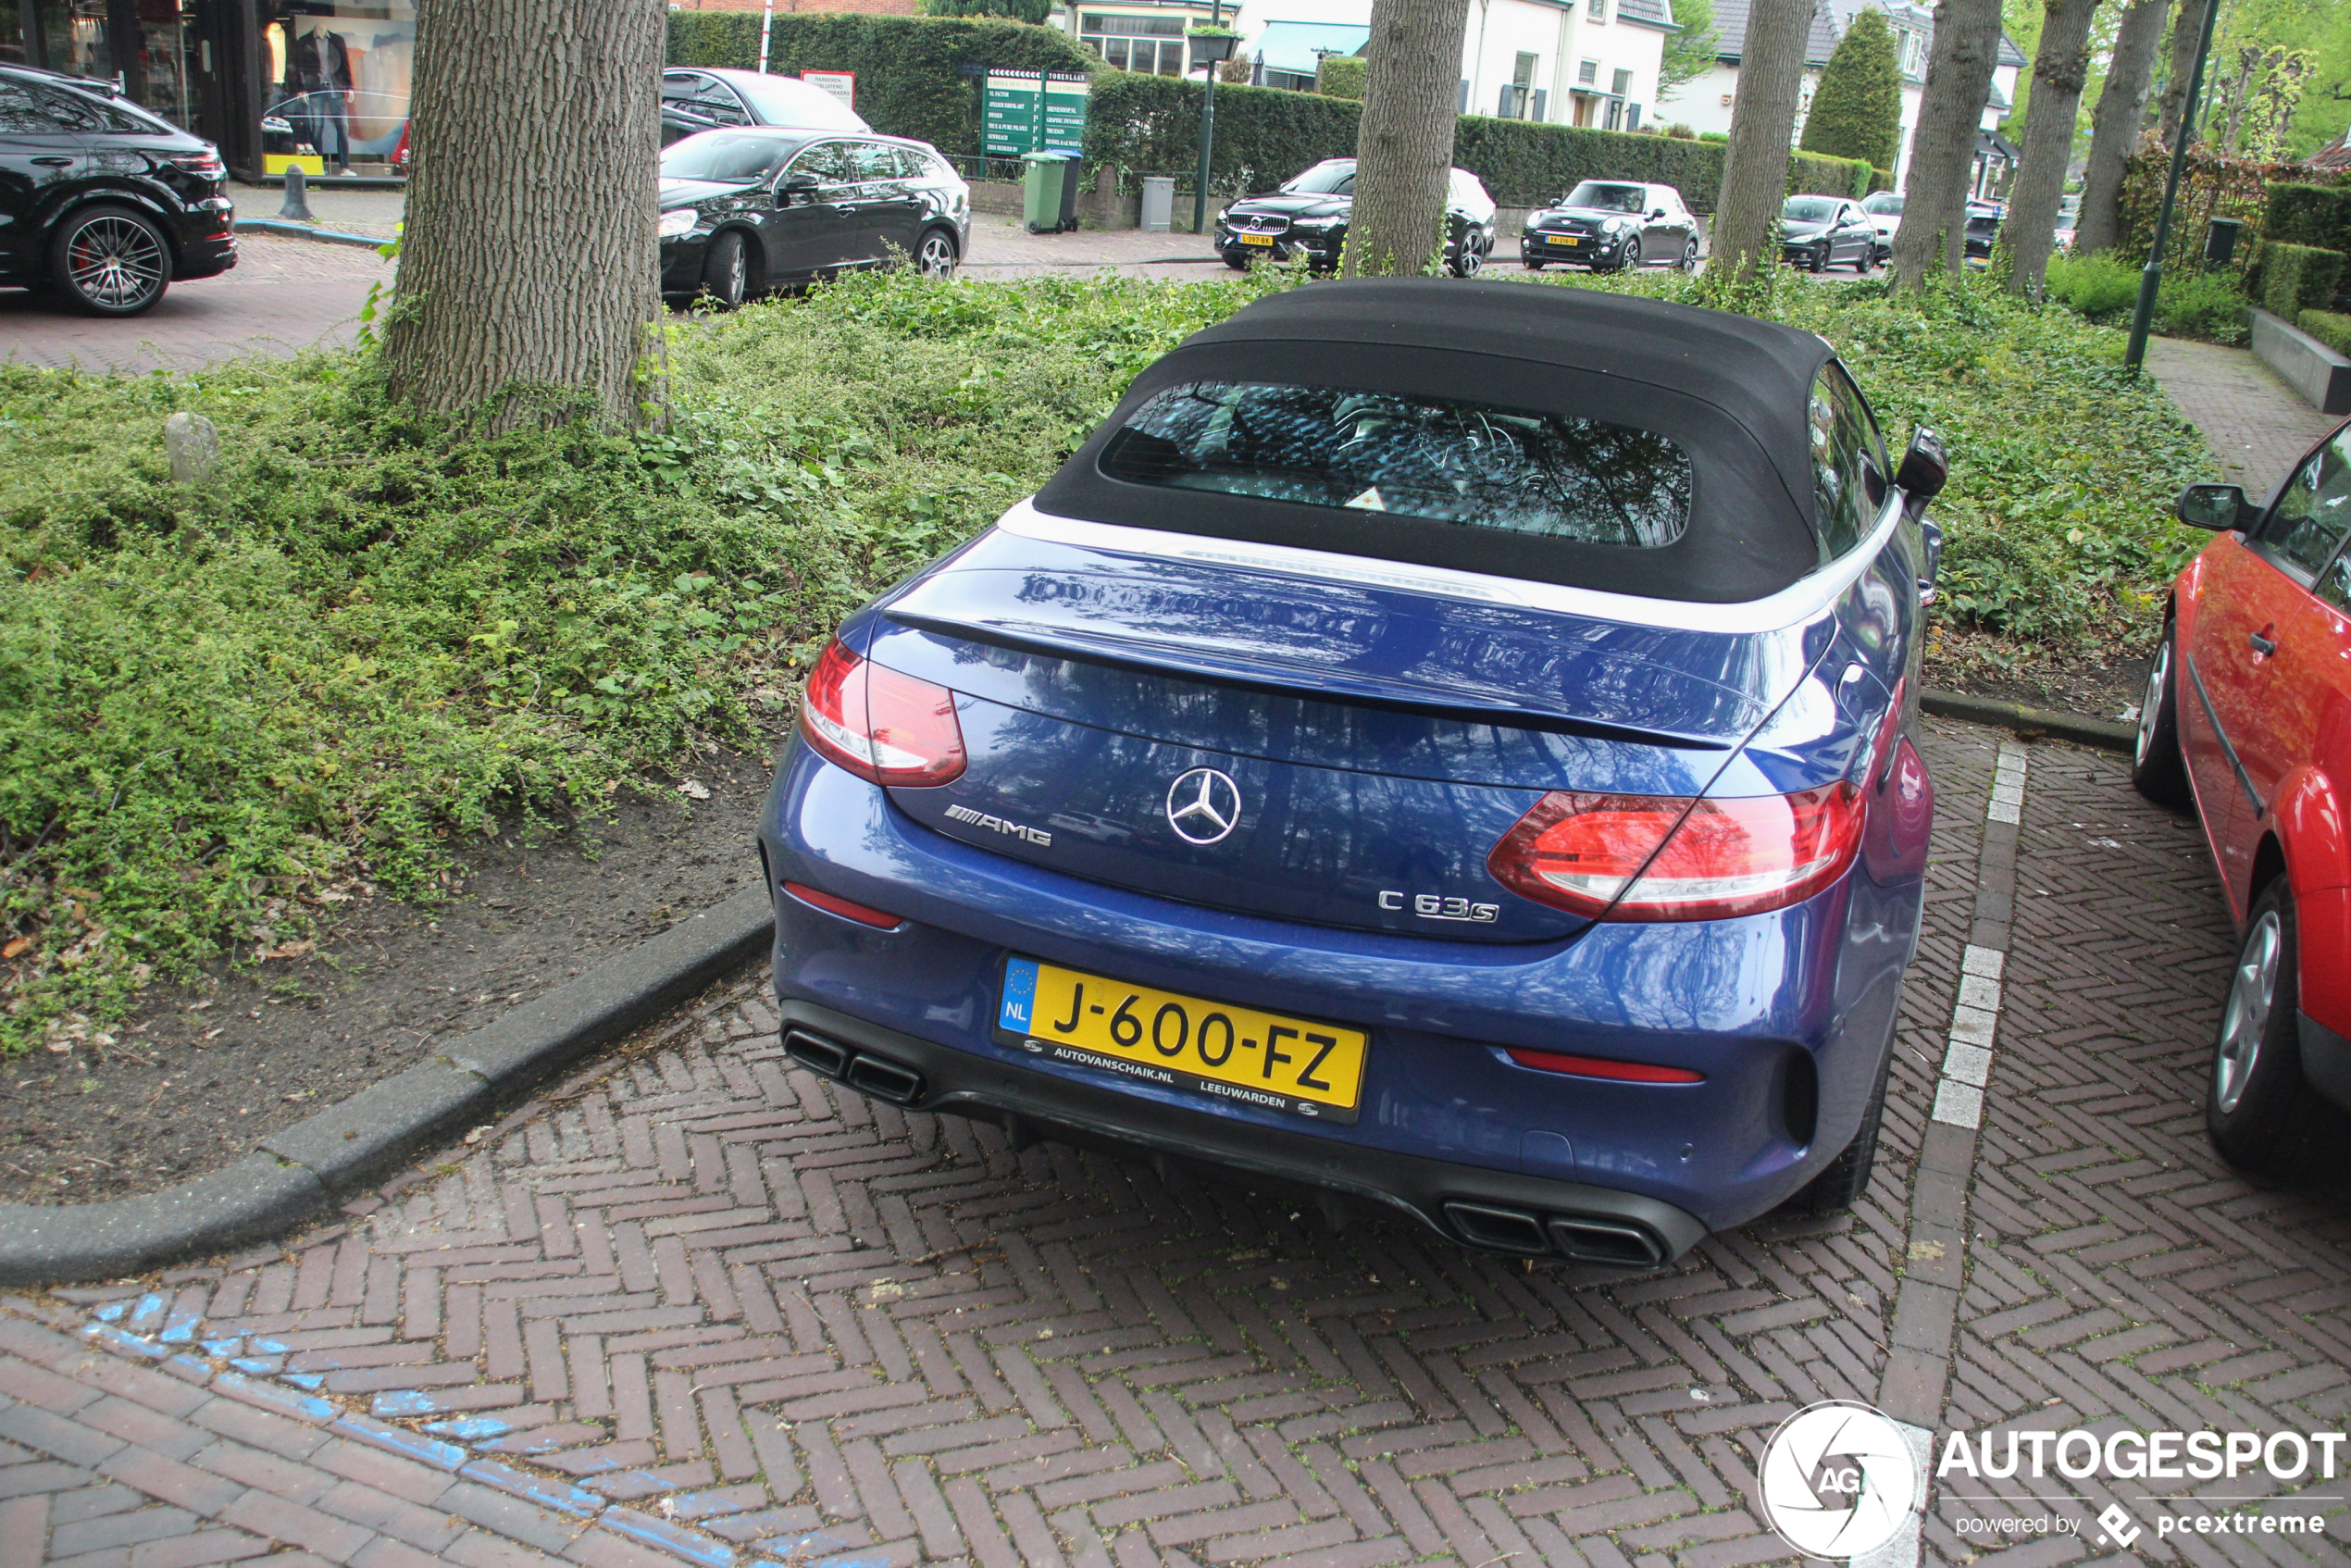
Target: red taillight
{"points": [[205, 165], [864, 914], [1602, 1067], [1655, 857], [883, 727]]}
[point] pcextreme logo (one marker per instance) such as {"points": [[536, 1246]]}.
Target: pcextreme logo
{"points": [[1838, 1479]]}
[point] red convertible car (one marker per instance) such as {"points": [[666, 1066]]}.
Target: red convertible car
{"points": [[2248, 717]]}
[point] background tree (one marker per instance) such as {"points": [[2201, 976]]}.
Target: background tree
{"points": [[529, 263], [2061, 65], [1959, 83], [1008, 10], [1404, 142], [1857, 110], [2114, 128], [2187, 28], [1691, 52], [1763, 124]]}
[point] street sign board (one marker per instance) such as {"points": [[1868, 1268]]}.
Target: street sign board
{"points": [[1028, 111]]}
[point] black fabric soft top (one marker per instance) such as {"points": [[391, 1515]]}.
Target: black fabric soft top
{"points": [[1732, 392]]}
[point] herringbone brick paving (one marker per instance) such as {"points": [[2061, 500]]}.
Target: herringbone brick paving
{"points": [[696, 1305]]}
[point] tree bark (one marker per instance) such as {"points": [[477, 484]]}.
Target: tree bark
{"points": [[1404, 142], [2187, 30], [1959, 83], [1740, 241], [529, 263], [2114, 130], [2060, 67]]}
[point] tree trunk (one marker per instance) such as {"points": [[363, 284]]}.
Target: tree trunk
{"points": [[2187, 30], [2114, 130], [2060, 67], [1959, 83], [1404, 142], [1740, 241], [529, 264]]}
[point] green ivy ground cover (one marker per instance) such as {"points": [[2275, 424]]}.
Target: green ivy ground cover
{"points": [[370, 636]]}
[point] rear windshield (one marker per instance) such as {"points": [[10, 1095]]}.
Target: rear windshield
{"points": [[1608, 198], [1885, 204], [724, 155], [1551, 476]]}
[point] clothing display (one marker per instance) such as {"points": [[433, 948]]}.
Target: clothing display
{"points": [[318, 87]]}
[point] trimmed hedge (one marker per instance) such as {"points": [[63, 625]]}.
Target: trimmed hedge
{"points": [[2308, 215], [2297, 278], [1265, 135], [907, 84], [1341, 76], [2329, 328]]}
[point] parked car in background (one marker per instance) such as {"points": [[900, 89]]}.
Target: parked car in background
{"points": [[1984, 220], [2069, 217], [2246, 721], [1444, 746], [1612, 225], [101, 203], [757, 208], [1824, 231], [1306, 216], [710, 98], [1884, 210]]}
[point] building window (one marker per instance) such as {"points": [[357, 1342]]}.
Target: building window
{"points": [[1587, 72], [1153, 45], [1595, 10], [1623, 83], [1517, 98]]}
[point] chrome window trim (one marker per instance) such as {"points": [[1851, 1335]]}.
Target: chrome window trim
{"points": [[1796, 604]]}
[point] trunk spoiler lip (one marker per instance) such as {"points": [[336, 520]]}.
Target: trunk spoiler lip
{"points": [[1482, 705]]}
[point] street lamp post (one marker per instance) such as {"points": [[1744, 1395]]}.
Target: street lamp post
{"points": [[2151, 277], [1211, 49]]}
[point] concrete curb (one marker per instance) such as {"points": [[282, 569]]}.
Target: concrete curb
{"points": [[287, 231], [303, 1168], [2079, 729]]}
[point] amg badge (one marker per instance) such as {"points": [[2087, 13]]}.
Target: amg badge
{"points": [[1036, 836], [1430, 906]]}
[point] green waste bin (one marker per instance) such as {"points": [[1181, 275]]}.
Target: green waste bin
{"points": [[1048, 185]]}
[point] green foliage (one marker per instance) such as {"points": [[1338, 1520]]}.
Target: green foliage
{"points": [[2329, 327], [2308, 215], [1816, 174], [907, 83], [1524, 162], [2211, 185], [1689, 52], [1341, 76], [1264, 135], [2192, 302], [1032, 11], [1856, 112], [373, 636], [2297, 278]]}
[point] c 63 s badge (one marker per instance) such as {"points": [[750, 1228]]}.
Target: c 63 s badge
{"points": [[1433, 907]]}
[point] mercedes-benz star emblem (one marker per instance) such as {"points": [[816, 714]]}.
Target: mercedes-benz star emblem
{"points": [[1203, 806]]}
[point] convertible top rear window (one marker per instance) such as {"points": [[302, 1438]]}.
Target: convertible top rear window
{"points": [[1473, 465]]}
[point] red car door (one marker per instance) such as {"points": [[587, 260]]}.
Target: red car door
{"points": [[2255, 658], [2317, 836]]}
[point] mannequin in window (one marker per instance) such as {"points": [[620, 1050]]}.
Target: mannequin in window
{"points": [[318, 67]]}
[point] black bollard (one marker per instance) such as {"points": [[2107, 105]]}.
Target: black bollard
{"points": [[297, 206]]}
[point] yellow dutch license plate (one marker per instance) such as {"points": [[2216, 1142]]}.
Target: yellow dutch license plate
{"points": [[1564, 239], [1297, 1066], [1255, 239]]}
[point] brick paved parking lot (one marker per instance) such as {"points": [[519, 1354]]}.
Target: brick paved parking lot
{"points": [[696, 1306]]}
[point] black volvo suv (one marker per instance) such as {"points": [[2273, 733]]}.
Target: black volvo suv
{"points": [[102, 202]]}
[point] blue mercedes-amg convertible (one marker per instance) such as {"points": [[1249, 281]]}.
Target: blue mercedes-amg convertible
{"points": [[1444, 746]]}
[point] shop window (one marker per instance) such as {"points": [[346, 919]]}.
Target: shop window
{"points": [[338, 94]]}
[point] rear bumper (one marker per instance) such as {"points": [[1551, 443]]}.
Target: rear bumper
{"points": [[206, 243], [1493, 1210], [1788, 1014]]}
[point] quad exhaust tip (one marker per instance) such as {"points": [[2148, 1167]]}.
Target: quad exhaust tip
{"points": [[861, 1070], [1583, 1238]]}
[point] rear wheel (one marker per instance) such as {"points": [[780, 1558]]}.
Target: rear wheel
{"points": [[1469, 256], [2261, 1114], [1840, 1186], [110, 261], [936, 256], [1689, 255], [1867, 259], [726, 271], [2157, 770]]}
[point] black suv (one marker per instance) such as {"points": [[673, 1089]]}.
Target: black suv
{"points": [[101, 201]]}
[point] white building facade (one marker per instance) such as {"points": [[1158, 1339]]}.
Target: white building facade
{"points": [[1704, 104]]}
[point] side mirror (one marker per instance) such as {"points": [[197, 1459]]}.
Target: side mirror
{"points": [[795, 185], [2214, 506], [1657, 211], [1924, 468]]}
